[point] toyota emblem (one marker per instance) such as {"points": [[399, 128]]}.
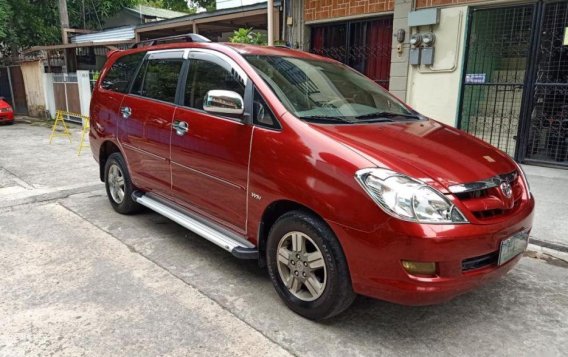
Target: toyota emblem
{"points": [[506, 189]]}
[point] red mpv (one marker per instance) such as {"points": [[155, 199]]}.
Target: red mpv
{"points": [[308, 166]]}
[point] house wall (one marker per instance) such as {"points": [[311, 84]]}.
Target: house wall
{"points": [[122, 18], [315, 10], [434, 90], [35, 92]]}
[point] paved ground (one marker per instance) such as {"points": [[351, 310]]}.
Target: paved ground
{"points": [[76, 278], [550, 187]]}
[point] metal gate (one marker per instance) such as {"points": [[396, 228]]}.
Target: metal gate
{"points": [[66, 93], [364, 45], [515, 83], [12, 88], [547, 123]]}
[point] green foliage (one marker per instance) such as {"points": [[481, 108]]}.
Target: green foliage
{"points": [[36, 22], [181, 5], [243, 35], [5, 13], [26, 23]]}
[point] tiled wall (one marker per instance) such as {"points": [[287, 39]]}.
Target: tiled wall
{"points": [[329, 9]]}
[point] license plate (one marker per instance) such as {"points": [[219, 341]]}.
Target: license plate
{"points": [[513, 246]]}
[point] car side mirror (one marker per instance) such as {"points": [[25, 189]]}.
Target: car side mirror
{"points": [[223, 102]]}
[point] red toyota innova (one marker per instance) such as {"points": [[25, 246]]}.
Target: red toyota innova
{"points": [[308, 166]]}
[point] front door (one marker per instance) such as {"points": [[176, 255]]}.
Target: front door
{"points": [[146, 119], [209, 161], [515, 83], [545, 138]]}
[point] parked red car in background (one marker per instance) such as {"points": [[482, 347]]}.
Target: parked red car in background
{"points": [[308, 166], [6, 112]]}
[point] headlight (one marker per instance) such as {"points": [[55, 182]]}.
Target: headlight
{"points": [[524, 177], [408, 199]]}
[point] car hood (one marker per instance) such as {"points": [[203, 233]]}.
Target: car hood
{"points": [[3, 104], [425, 149]]}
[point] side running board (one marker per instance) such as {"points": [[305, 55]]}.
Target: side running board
{"points": [[238, 246]]}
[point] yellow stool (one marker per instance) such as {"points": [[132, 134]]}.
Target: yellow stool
{"points": [[84, 133], [59, 121]]}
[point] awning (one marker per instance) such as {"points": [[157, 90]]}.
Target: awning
{"points": [[109, 44]]}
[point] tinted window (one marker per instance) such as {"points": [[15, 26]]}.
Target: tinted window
{"points": [[158, 79], [205, 76], [118, 77], [316, 90], [262, 114]]}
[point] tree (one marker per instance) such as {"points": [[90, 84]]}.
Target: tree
{"points": [[36, 22], [26, 23], [5, 13], [189, 6], [243, 35]]}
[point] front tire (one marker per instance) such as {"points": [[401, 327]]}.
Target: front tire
{"points": [[118, 185], [307, 266]]}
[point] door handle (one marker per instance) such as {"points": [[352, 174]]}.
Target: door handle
{"points": [[126, 112], [180, 127]]}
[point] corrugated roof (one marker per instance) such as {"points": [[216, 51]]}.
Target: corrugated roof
{"points": [[155, 12], [117, 34]]}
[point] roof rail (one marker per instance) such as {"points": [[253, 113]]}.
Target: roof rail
{"points": [[188, 37]]}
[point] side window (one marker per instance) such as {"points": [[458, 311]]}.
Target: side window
{"points": [[118, 77], [158, 78], [262, 114], [204, 76]]}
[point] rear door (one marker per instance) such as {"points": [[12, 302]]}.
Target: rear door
{"points": [[109, 93], [146, 119], [209, 162]]}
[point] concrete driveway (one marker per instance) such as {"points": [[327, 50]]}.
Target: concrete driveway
{"points": [[77, 278]]}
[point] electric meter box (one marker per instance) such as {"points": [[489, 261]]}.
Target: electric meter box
{"points": [[424, 17]]}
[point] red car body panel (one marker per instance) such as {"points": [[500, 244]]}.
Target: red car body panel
{"points": [[216, 168], [145, 140], [210, 166], [6, 112]]}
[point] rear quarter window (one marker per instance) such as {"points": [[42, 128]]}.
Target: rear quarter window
{"points": [[121, 72]]}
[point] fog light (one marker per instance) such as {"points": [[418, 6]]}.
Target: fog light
{"points": [[420, 268]]}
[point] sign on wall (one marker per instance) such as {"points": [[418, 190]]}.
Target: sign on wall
{"points": [[475, 78]]}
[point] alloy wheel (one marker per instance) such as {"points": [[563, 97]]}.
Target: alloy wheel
{"points": [[116, 183], [301, 266]]}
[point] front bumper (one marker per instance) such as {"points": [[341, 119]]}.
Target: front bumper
{"points": [[375, 265], [6, 117]]}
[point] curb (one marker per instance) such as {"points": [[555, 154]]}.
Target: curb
{"points": [[555, 257], [549, 245]]}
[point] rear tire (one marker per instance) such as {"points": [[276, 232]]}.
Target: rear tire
{"points": [[307, 266], [118, 185]]}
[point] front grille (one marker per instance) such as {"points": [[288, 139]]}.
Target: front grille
{"points": [[488, 203], [480, 261]]}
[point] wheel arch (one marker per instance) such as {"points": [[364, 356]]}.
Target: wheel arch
{"points": [[107, 148], [271, 214]]}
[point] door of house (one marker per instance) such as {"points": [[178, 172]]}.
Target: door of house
{"points": [[515, 83], [13, 89], [364, 45]]}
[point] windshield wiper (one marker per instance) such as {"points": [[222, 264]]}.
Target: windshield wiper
{"points": [[326, 118], [384, 115]]}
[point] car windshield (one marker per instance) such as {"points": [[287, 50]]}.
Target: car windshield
{"points": [[321, 91]]}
